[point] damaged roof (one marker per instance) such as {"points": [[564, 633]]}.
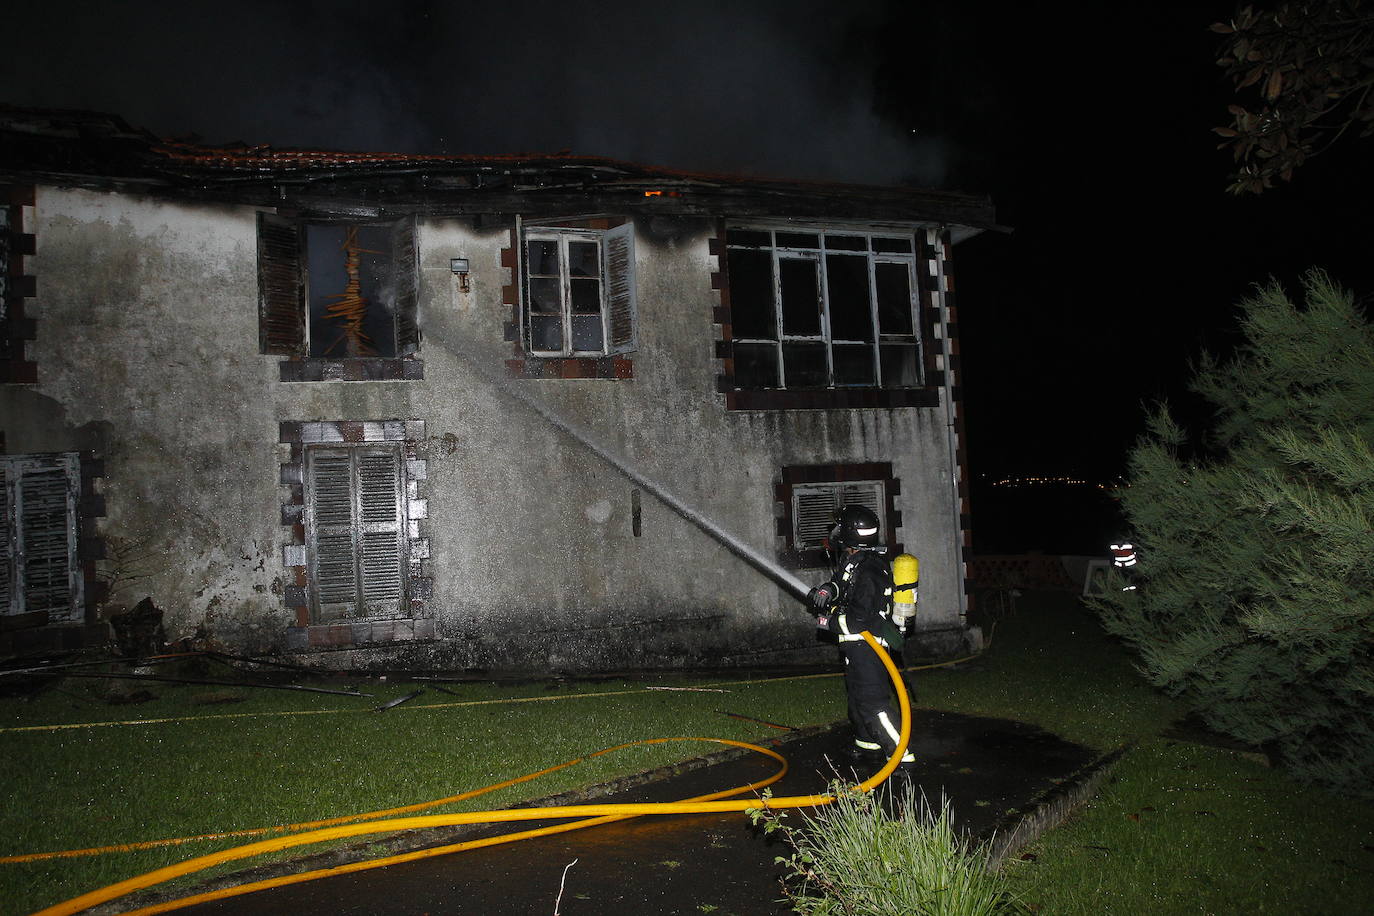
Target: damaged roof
{"points": [[91, 149]]}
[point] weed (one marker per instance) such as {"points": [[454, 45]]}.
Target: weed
{"points": [[886, 854]]}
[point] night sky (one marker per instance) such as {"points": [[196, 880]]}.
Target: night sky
{"points": [[1091, 131]]}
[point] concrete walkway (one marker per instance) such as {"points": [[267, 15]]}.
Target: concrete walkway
{"points": [[670, 865]]}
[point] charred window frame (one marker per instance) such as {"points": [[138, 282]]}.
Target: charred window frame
{"points": [[340, 299], [40, 570], [809, 497], [578, 291], [815, 308], [356, 531]]}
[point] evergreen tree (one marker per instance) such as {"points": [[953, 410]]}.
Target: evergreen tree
{"points": [[1254, 598]]}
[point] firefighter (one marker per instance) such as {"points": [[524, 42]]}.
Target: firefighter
{"points": [[860, 598]]}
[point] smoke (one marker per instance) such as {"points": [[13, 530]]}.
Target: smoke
{"points": [[784, 89]]}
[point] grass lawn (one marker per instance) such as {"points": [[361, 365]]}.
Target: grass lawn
{"points": [[1180, 828]]}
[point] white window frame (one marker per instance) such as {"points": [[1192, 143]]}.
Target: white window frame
{"points": [[815, 507], [23, 476], [818, 255], [616, 288]]}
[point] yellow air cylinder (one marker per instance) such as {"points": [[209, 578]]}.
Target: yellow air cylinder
{"points": [[906, 569]]}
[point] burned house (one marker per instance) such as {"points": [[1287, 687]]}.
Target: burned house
{"points": [[357, 407]]}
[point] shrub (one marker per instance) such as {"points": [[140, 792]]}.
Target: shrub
{"points": [[886, 854], [1255, 598]]}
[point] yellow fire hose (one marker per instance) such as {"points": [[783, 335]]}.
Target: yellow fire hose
{"points": [[591, 814]]}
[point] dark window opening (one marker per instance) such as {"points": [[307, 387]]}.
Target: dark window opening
{"points": [[822, 310], [352, 292], [801, 296], [847, 284], [339, 294]]}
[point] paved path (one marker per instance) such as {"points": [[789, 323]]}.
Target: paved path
{"points": [[684, 865]]}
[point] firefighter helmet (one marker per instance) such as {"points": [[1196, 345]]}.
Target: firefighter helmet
{"points": [[858, 527]]}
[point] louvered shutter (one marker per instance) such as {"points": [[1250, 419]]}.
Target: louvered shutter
{"points": [[406, 276], [41, 572], [379, 503], [9, 593], [619, 269], [868, 494], [357, 524], [815, 508], [333, 570], [281, 287], [814, 515]]}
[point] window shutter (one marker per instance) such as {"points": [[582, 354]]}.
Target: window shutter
{"points": [[619, 253], [357, 524], [815, 508], [281, 287], [406, 276], [8, 592], [39, 510], [379, 484], [334, 572], [868, 494], [814, 515]]}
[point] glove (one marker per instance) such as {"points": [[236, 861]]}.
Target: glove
{"points": [[823, 595]]}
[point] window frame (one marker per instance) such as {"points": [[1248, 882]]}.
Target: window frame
{"points": [[877, 475], [615, 287], [15, 596], [359, 606], [820, 255], [840, 493], [284, 301]]}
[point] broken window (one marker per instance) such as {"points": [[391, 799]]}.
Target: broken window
{"points": [[579, 291], [39, 572], [815, 507], [356, 531], [337, 291], [823, 309]]}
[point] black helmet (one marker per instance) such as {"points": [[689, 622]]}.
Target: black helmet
{"points": [[858, 527]]}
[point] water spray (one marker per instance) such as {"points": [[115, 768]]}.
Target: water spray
{"points": [[735, 545]]}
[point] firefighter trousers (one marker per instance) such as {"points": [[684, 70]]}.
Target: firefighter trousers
{"points": [[873, 712]]}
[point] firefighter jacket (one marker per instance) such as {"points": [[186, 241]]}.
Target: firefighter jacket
{"points": [[865, 600]]}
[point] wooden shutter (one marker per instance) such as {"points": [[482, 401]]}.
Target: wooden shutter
{"points": [[281, 287], [868, 494], [813, 515], [815, 508], [357, 524], [379, 504], [40, 566], [406, 276], [618, 251], [333, 570], [8, 578]]}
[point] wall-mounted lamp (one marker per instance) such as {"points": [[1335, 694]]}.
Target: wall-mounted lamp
{"points": [[460, 267]]}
